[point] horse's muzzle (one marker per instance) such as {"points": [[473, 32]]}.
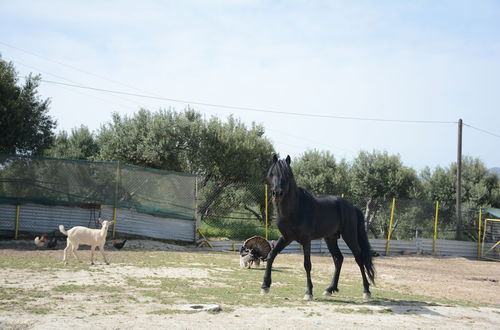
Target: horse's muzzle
{"points": [[277, 193]]}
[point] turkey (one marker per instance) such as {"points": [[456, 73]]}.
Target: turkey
{"points": [[254, 250]]}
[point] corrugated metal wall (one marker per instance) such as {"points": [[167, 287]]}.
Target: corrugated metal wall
{"points": [[7, 218], [36, 219], [443, 247], [131, 222]]}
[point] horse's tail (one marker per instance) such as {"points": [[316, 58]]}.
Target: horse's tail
{"points": [[364, 244]]}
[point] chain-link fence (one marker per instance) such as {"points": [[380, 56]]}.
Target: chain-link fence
{"points": [[237, 211]]}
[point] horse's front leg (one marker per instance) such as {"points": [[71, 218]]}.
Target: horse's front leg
{"points": [[280, 245], [307, 266]]}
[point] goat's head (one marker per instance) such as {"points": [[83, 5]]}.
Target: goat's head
{"points": [[105, 223]]}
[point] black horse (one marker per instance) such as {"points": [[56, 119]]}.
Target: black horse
{"points": [[303, 217]]}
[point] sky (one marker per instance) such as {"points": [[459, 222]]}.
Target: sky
{"points": [[337, 76]]}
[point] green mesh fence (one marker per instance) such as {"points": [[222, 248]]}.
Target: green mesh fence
{"points": [[50, 181]]}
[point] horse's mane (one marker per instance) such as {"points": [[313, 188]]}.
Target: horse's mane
{"points": [[282, 169]]}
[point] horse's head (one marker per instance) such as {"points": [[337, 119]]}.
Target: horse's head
{"points": [[280, 178]]}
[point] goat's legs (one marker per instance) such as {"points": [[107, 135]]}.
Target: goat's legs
{"points": [[92, 248], [101, 248], [73, 251], [68, 245]]}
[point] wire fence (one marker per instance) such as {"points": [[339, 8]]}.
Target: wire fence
{"points": [[238, 211], [226, 209]]}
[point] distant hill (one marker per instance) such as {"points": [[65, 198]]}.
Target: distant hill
{"points": [[495, 170]]}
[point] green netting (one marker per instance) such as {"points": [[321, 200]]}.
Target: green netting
{"points": [[52, 181]]}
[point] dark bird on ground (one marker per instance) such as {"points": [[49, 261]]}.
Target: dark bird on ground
{"points": [[52, 243], [118, 245]]}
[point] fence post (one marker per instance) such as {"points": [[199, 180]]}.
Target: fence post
{"points": [[18, 211], [389, 231], [267, 209], [435, 228], [479, 233]]}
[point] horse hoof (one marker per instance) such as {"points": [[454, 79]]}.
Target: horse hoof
{"points": [[308, 297], [327, 293], [263, 292], [367, 295]]}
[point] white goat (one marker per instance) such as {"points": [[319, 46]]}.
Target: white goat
{"points": [[86, 236]]}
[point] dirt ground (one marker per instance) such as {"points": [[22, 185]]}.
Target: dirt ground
{"points": [[475, 283]]}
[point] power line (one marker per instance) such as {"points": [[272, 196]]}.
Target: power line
{"points": [[223, 106], [482, 130], [69, 66], [208, 104], [78, 92]]}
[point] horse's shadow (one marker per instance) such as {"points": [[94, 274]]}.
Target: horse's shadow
{"points": [[402, 307], [277, 269]]}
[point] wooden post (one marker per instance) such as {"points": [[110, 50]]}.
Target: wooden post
{"points": [[206, 240], [435, 228], [389, 231], [459, 182]]}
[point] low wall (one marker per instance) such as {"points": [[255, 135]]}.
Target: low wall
{"points": [[424, 246], [35, 219]]}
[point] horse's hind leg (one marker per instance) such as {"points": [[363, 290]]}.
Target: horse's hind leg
{"points": [[307, 266], [356, 251], [338, 259]]}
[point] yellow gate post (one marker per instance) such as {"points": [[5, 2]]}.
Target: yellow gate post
{"points": [[267, 210], [479, 233], [435, 228], [389, 231], [18, 211]]}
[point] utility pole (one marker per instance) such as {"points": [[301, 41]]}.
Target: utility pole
{"points": [[459, 181]]}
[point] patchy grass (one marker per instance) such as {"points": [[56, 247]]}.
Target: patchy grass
{"points": [[227, 285]]}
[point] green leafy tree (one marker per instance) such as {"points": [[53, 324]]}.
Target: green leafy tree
{"points": [[318, 172], [480, 188], [376, 178], [222, 153], [163, 140], [80, 144], [25, 125]]}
